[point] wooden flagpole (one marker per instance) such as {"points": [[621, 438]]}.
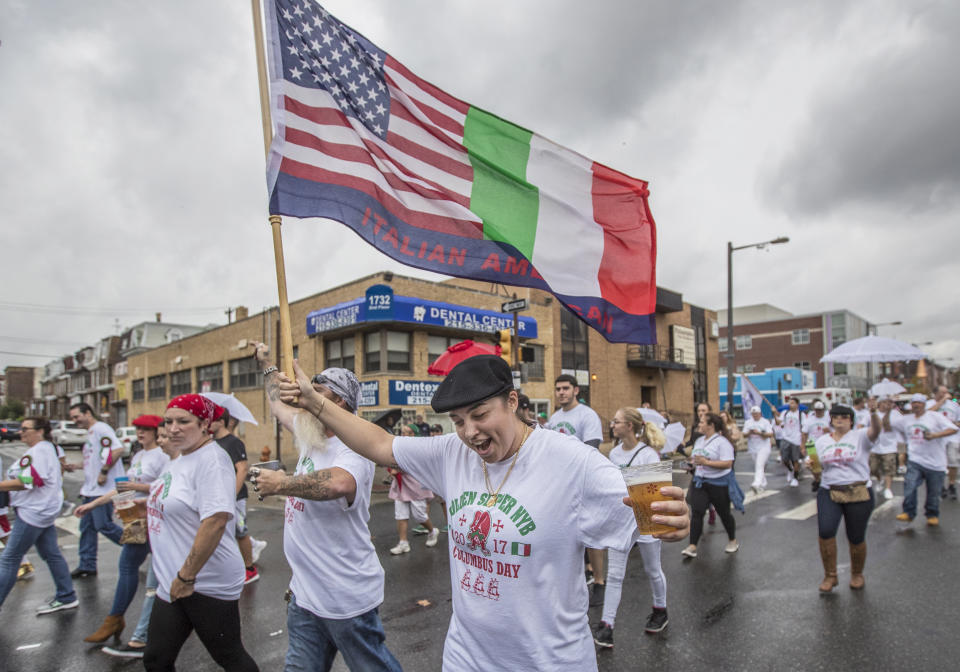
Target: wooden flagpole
{"points": [[286, 336]]}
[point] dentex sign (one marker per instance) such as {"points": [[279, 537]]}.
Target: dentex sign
{"points": [[380, 304]]}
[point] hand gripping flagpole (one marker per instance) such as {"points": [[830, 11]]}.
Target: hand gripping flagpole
{"points": [[286, 337]]}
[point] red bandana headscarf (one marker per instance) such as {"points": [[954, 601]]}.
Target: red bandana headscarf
{"points": [[197, 405]]}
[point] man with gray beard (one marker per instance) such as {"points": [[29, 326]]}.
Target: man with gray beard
{"points": [[337, 584]]}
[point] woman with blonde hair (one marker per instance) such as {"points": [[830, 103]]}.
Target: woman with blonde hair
{"points": [[639, 442]]}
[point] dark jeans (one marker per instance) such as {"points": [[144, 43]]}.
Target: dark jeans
{"points": [[314, 642], [217, 623], [700, 499], [911, 483], [128, 576], [97, 520], [855, 517]]}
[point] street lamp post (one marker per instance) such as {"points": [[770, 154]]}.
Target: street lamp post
{"points": [[731, 342]]}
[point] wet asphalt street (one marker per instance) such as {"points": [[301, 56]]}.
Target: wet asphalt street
{"points": [[758, 609]]}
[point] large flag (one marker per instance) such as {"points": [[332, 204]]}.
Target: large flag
{"points": [[442, 185], [749, 395]]}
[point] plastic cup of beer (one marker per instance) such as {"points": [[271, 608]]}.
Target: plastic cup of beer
{"points": [[124, 505], [643, 485]]}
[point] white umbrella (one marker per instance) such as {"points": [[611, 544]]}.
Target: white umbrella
{"points": [[650, 415], [237, 410], [886, 388], [873, 349], [674, 433]]}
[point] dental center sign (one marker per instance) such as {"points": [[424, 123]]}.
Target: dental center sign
{"points": [[412, 392], [380, 304]]}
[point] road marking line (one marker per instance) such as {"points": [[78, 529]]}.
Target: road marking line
{"points": [[67, 547], [754, 496], [28, 646], [801, 512], [278, 632], [70, 524], [889, 504]]}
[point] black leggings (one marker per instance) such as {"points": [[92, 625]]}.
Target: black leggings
{"points": [[855, 516], [700, 499], [217, 623]]}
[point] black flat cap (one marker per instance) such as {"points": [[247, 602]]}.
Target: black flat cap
{"points": [[472, 380]]}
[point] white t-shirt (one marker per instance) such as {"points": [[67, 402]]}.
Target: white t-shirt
{"points": [[844, 461], [714, 448], [815, 427], [580, 421], [147, 465], [3, 509], [887, 442], [101, 439], [516, 569], [39, 505], [928, 454], [754, 442], [336, 572], [791, 422], [192, 488], [861, 418], [951, 411]]}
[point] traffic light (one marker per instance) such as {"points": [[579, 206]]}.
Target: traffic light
{"points": [[504, 339]]}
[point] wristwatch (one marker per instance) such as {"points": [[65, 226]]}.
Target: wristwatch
{"points": [[270, 369]]}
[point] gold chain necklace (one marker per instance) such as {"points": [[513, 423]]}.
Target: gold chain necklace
{"points": [[492, 500]]}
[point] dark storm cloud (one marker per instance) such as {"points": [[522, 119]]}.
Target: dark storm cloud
{"points": [[887, 135]]}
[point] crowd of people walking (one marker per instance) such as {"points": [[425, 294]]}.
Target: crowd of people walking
{"points": [[181, 503]]}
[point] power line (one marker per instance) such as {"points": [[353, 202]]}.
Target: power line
{"points": [[29, 354], [96, 310]]}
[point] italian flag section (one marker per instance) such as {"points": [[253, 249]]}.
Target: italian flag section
{"points": [[442, 185]]}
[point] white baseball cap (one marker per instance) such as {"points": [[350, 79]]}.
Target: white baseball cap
{"points": [[818, 406], [919, 397], [754, 409]]}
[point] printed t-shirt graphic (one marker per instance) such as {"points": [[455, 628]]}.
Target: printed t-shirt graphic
{"points": [[580, 421], [101, 441], [516, 567], [336, 572], [815, 427], [928, 453], [147, 465], [846, 460], [194, 487]]}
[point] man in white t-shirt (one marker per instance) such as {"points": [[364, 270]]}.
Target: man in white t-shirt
{"points": [[580, 421], [102, 463], [337, 584], [949, 409], [791, 421], [925, 433], [759, 432], [861, 415], [812, 428]]}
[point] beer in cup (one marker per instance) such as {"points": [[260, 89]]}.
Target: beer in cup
{"points": [[643, 485], [124, 506]]}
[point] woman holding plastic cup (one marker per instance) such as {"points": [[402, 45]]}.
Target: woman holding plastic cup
{"points": [[638, 448], [713, 483], [145, 467], [524, 502]]}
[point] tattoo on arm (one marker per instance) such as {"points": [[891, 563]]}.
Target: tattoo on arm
{"points": [[273, 389], [316, 486]]}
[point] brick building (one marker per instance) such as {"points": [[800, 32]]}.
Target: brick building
{"points": [[767, 337], [390, 352], [18, 384]]}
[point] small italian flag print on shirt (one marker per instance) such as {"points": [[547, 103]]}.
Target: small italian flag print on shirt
{"points": [[519, 548]]}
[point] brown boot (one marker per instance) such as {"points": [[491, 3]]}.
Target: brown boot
{"points": [[828, 553], [111, 626], [858, 557]]}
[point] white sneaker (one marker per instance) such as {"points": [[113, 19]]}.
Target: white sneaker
{"points": [[732, 546], [887, 493], [56, 605], [794, 483], [432, 537], [402, 547], [257, 547], [689, 552]]}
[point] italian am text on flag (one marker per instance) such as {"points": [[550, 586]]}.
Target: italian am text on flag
{"points": [[441, 185]]}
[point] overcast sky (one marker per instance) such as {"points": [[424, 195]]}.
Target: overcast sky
{"points": [[133, 168]]}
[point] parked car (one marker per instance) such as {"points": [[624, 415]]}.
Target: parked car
{"points": [[128, 437], [66, 433], [9, 431]]}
